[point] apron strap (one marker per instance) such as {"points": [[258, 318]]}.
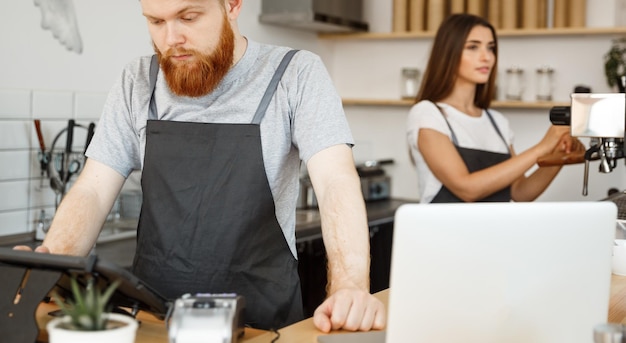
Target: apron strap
{"points": [[154, 70], [493, 122], [452, 135], [265, 101], [271, 88]]}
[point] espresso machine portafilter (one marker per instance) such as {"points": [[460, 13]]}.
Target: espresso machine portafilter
{"points": [[602, 119]]}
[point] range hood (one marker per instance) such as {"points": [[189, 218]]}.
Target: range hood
{"points": [[315, 15]]}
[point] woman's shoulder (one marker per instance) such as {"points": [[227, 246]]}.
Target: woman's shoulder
{"points": [[426, 114], [424, 107]]}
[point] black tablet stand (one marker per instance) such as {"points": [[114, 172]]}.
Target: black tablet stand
{"points": [[23, 289], [28, 277]]}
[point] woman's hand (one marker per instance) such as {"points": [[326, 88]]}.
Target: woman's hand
{"points": [[569, 145], [556, 139], [568, 150]]}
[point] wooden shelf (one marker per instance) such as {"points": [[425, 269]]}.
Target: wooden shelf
{"points": [[494, 104], [570, 31]]}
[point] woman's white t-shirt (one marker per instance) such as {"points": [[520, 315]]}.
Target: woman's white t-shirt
{"points": [[471, 132]]}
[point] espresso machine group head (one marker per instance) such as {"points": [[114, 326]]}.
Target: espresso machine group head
{"points": [[602, 119]]}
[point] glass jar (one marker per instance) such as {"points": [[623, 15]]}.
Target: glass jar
{"points": [[608, 333], [514, 83], [410, 83], [544, 83]]}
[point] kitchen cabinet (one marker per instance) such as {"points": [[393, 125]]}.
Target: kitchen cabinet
{"points": [[392, 40]]}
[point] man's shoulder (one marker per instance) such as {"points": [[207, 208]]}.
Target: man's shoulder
{"points": [[137, 73], [276, 52], [137, 65]]}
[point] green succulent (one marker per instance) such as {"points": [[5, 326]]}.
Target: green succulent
{"points": [[614, 62], [87, 309]]}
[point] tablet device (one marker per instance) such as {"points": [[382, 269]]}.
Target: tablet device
{"points": [[131, 292]]}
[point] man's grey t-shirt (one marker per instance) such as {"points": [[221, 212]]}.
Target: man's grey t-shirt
{"points": [[304, 117]]}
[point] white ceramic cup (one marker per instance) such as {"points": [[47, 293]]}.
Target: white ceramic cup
{"points": [[619, 257]]}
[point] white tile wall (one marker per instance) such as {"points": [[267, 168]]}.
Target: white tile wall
{"points": [[15, 195], [52, 104], [89, 105], [16, 165], [23, 190], [15, 103], [13, 222], [15, 134]]}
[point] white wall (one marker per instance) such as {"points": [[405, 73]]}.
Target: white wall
{"points": [[39, 78]]}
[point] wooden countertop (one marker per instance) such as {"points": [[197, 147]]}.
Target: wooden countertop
{"points": [[153, 330]]}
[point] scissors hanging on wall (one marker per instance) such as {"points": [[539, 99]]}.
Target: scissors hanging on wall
{"points": [[61, 164]]}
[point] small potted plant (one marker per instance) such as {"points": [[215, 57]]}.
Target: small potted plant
{"points": [[615, 64], [87, 318]]}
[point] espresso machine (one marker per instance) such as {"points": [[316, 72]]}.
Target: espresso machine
{"points": [[602, 119]]}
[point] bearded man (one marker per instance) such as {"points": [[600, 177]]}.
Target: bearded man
{"points": [[219, 125]]}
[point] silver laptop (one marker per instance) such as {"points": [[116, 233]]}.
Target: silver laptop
{"points": [[498, 272]]}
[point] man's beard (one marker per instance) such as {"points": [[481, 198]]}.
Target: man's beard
{"points": [[200, 77]]}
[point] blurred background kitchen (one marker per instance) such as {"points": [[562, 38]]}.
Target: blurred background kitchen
{"points": [[40, 78]]}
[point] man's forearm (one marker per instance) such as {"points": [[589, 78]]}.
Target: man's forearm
{"points": [[346, 237], [76, 224]]}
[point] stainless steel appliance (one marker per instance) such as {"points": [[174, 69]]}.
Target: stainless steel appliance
{"points": [[315, 15], [375, 184], [600, 117]]}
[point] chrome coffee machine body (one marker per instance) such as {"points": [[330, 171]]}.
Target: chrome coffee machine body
{"points": [[602, 119]]}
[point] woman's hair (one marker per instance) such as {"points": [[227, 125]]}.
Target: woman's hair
{"points": [[445, 58]]}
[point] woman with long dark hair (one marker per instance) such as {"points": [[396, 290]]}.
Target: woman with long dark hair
{"points": [[463, 150]]}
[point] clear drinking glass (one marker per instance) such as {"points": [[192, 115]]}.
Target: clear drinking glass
{"points": [[544, 83], [410, 82], [514, 83]]}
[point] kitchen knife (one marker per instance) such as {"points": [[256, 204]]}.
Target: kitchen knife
{"points": [[42, 144], [69, 138], [90, 132]]}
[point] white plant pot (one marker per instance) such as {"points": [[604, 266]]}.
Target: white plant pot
{"points": [[124, 334]]}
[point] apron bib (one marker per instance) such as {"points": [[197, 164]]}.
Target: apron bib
{"points": [[208, 222], [476, 160]]}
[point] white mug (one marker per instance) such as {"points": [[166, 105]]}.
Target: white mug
{"points": [[619, 257]]}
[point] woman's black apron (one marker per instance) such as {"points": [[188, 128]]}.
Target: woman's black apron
{"points": [[208, 222], [476, 160]]}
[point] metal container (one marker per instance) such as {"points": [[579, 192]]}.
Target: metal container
{"points": [[609, 333], [130, 204], [315, 15], [598, 115], [306, 195]]}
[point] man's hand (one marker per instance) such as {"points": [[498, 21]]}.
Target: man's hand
{"points": [[352, 310], [40, 248]]}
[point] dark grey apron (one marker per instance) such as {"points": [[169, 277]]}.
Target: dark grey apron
{"points": [[476, 160], [208, 222]]}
